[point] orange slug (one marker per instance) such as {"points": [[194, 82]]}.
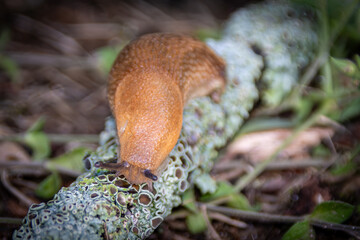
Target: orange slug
{"points": [[151, 80]]}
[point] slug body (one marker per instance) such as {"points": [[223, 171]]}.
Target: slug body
{"points": [[151, 80]]}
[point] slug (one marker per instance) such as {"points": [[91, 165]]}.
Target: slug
{"points": [[150, 82]]}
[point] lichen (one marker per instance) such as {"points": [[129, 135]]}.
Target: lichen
{"points": [[285, 37], [99, 205]]}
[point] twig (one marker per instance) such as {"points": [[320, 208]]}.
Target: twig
{"points": [[268, 218], [177, 215], [212, 231], [25, 183], [33, 59], [220, 200], [225, 219], [37, 165], [23, 198]]}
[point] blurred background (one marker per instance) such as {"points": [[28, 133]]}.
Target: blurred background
{"points": [[54, 60]]}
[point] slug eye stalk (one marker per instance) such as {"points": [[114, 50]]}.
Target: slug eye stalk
{"points": [[148, 174]]}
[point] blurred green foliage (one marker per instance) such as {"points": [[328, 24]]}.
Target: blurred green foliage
{"points": [[195, 220], [188, 200], [300, 231], [349, 165], [338, 85], [49, 186], [70, 160], [106, 57], [196, 223], [330, 211], [38, 141], [233, 198], [7, 64], [205, 33]]}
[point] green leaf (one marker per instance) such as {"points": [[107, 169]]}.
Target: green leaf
{"points": [[239, 201], [332, 211], [320, 151], [71, 160], [38, 141], [49, 186], [235, 200], [345, 65], [188, 200], [38, 125], [223, 189], [344, 169], [300, 231], [9, 67], [4, 38], [303, 108], [196, 223], [349, 166]]}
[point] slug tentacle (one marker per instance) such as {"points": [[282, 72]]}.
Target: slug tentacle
{"points": [[148, 174], [150, 82]]}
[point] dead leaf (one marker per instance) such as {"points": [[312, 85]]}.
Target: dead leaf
{"points": [[10, 151], [258, 146]]}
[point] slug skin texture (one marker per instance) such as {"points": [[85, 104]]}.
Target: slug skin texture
{"points": [[151, 80]]}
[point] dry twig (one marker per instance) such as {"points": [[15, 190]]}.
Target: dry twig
{"points": [[19, 195]]}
